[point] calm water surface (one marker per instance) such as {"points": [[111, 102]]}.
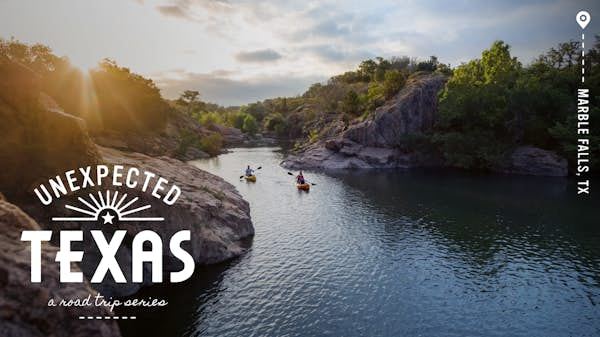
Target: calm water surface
{"points": [[395, 253]]}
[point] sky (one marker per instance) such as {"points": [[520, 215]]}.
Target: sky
{"points": [[238, 51]]}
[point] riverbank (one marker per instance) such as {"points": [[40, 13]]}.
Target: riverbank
{"points": [[399, 135]]}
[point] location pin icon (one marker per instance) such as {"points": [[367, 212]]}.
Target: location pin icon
{"points": [[583, 18]]}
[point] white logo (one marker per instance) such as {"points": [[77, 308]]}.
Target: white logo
{"points": [[108, 208], [108, 204]]}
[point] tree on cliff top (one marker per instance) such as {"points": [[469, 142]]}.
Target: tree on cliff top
{"points": [[493, 104], [110, 97], [474, 109], [127, 100]]}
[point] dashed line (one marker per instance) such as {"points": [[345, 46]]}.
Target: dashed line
{"points": [[105, 317], [582, 58]]}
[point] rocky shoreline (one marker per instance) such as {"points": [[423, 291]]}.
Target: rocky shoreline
{"points": [[386, 139]]}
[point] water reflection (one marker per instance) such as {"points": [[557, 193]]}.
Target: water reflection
{"points": [[395, 253]]}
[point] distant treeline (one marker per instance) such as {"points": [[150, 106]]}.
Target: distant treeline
{"points": [[350, 96], [488, 106]]}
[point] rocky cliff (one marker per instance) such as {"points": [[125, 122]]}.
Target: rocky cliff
{"points": [[38, 139], [389, 138], [378, 141], [165, 143], [24, 307], [209, 207]]}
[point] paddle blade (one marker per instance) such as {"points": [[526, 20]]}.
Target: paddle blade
{"points": [[258, 168], [290, 173]]}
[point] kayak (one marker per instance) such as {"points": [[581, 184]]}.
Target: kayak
{"points": [[304, 187], [251, 178]]}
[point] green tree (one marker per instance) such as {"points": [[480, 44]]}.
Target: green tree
{"points": [[277, 123], [368, 68], [250, 125], [394, 81], [474, 109], [127, 101], [211, 144], [236, 119], [351, 103], [191, 99], [257, 110]]}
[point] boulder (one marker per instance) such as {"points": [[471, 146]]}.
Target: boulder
{"points": [[231, 136], [215, 213], [530, 160], [193, 153], [349, 156], [24, 307]]}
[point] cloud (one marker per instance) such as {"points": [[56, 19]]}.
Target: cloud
{"points": [[324, 38], [226, 91], [195, 10], [330, 53], [173, 11], [262, 55]]}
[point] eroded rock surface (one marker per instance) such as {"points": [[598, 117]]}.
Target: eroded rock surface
{"points": [[24, 307], [378, 141], [530, 160], [38, 139]]}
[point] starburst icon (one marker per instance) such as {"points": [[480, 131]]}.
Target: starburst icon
{"points": [[108, 208]]}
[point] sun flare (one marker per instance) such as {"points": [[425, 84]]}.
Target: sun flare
{"points": [[83, 65]]}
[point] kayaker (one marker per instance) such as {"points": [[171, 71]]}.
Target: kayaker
{"points": [[249, 171], [300, 178]]}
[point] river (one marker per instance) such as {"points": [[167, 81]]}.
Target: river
{"points": [[394, 253]]}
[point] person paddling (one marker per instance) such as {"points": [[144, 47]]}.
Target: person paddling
{"points": [[249, 171], [300, 178]]}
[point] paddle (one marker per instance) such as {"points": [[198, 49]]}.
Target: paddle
{"points": [[290, 173], [258, 168]]}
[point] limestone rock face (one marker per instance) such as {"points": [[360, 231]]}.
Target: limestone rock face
{"points": [[38, 139], [378, 141], [413, 110], [530, 160], [24, 307], [231, 136], [164, 143]]}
